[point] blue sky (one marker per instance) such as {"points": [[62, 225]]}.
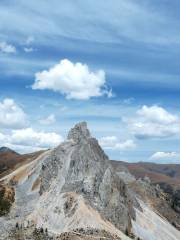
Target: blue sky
{"points": [[114, 64]]}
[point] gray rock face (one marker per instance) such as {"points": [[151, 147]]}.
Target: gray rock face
{"points": [[79, 132], [176, 201], [115, 201], [173, 196], [80, 165], [123, 172]]}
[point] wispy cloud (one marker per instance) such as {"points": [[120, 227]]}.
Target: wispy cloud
{"points": [[112, 142], [29, 40], [133, 20], [49, 120], [28, 49], [7, 48]]}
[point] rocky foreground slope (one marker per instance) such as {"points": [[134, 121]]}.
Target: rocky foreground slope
{"points": [[74, 192], [167, 176]]}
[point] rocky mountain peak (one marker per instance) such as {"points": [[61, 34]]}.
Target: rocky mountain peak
{"points": [[83, 168], [79, 132]]}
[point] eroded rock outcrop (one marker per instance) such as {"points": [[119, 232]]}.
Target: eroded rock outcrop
{"points": [[80, 165], [6, 199]]}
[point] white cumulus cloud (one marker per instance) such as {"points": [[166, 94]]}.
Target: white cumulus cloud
{"points": [[164, 155], [74, 80], [49, 120], [112, 142], [30, 137], [28, 140], [7, 48], [157, 114], [154, 122], [11, 115]]}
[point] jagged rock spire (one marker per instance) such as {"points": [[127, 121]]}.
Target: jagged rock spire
{"points": [[79, 132]]}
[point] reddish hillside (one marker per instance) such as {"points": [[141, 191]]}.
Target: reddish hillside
{"points": [[10, 160], [158, 173]]}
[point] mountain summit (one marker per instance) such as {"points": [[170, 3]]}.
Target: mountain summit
{"points": [[81, 167], [79, 132], [74, 189]]}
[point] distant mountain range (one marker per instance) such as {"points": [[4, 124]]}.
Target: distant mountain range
{"points": [[158, 173], [9, 159], [7, 150]]}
